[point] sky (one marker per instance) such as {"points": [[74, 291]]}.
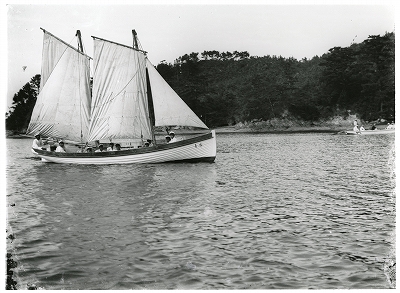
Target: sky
{"points": [[168, 30]]}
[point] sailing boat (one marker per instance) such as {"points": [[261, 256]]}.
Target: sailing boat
{"points": [[129, 100]]}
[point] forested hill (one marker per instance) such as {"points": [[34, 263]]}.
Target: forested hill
{"points": [[225, 88]]}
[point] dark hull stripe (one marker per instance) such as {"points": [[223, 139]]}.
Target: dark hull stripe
{"points": [[143, 150]]}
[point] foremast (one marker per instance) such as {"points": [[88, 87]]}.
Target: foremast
{"points": [[80, 48]]}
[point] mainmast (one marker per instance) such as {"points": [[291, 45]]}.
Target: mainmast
{"points": [[149, 96], [150, 106]]}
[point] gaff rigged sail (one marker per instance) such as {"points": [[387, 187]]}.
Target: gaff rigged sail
{"points": [[119, 104], [62, 108]]}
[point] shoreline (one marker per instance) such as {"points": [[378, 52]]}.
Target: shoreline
{"points": [[244, 130], [233, 129]]}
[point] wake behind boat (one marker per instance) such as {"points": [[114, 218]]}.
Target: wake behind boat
{"points": [[129, 100]]}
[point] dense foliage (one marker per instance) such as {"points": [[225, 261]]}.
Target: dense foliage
{"points": [[227, 88], [20, 113]]}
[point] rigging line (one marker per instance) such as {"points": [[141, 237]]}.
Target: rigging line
{"points": [[86, 55], [54, 67], [83, 48], [137, 71], [80, 108], [95, 65], [143, 87], [65, 50], [65, 43], [142, 82], [79, 92], [91, 74], [129, 81], [104, 40], [66, 47], [140, 45]]}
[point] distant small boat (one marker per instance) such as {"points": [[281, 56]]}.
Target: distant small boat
{"points": [[371, 132], [129, 100]]}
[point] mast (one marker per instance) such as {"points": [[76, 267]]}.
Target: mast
{"points": [[58, 39], [80, 46], [135, 41], [151, 107], [149, 96]]}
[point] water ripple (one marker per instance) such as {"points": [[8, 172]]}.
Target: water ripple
{"points": [[300, 211]]}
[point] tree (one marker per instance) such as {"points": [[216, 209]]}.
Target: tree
{"points": [[19, 115], [377, 59]]}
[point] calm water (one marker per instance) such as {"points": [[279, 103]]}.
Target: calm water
{"points": [[275, 211]]}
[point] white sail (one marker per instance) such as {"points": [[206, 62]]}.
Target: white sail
{"points": [[62, 106], [119, 109], [119, 104], [169, 108]]}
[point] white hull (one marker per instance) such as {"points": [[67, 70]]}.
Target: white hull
{"points": [[201, 148], [371, 132]]}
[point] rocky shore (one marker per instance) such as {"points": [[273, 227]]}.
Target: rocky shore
{"points": [[290, 125], [234, 129], [335, 124]]}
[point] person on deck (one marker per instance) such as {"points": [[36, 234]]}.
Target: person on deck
{"points": [[362, 128], [101, 149], [355, 129], [37, 142], [173, 138], [117, 147], [171, 134], [390, 126], [110, 147], [373, 127], [60, 148], [167, 138]]}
